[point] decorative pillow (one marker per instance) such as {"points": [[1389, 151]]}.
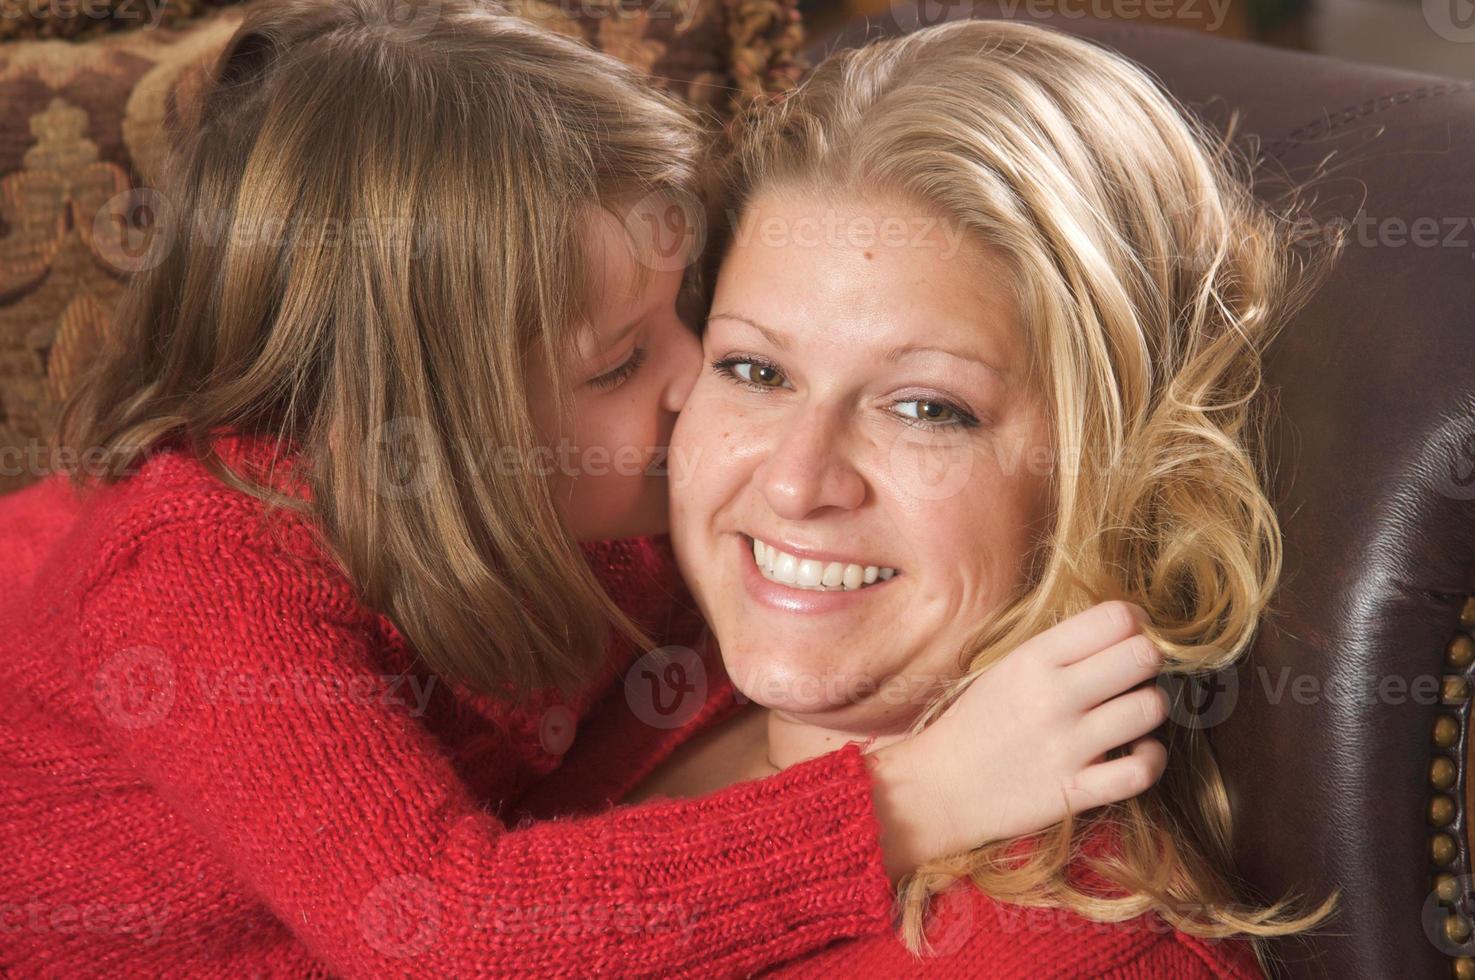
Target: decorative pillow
{"points": [[82, 122]]}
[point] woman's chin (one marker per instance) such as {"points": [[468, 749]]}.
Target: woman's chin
{"points": [[794, 681]]}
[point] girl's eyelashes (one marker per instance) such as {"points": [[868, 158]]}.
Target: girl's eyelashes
{"points": [[621, 374], [923, 413]]}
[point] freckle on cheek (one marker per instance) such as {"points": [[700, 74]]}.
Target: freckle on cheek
{"points": [[868, 256]]}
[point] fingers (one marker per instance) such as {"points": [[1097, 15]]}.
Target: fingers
{"points": [[1122, 719], [1089, 631], [1118, 779], [1118, 668]]}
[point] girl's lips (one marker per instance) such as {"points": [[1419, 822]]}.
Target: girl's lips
{"points": [[786, 599]]}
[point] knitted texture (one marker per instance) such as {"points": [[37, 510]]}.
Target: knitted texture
{"points": [[970, 934], [216, 762]]}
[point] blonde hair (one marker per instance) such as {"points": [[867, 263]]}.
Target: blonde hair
{"points": [[380, 227], [1149, 281]]}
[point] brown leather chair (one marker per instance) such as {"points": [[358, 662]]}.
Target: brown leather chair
{"points": [[1344, 737]]}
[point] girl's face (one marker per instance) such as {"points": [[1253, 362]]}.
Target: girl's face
{"points": [[865, 423], [636, 364]]}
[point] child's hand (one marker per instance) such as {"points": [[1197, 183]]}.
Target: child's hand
{"points": [[1026, 742]]}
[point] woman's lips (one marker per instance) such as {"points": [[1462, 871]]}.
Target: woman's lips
{"points": [[786, 598]]}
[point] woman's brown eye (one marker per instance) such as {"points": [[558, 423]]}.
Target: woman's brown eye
{"points": [[759, 374], [926, 411], [934, 413]]}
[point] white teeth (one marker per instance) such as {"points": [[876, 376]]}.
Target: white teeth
{"points": [[763, 555], [782, 567]]}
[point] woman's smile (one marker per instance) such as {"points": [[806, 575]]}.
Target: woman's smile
{"points": [[794, 583], [800, 568]]}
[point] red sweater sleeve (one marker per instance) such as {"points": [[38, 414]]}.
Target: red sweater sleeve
{"points": [[346, 818]]}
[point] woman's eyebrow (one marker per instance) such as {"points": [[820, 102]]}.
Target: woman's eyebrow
{"points": [[773, 337], [904, 350]]}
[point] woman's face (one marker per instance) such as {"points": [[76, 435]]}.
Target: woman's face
{"points": [[864, 415]]}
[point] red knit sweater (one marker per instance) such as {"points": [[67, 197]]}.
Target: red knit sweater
{"points": [[970, 934], [214, 761]]}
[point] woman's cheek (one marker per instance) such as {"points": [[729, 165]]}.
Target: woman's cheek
{"points": [[746, 430]]}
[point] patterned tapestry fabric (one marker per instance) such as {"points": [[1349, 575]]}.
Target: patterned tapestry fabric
{"points": [[77, 19], [83, 124]]}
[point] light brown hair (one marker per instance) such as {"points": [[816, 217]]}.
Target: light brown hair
{"points": [[378, 213], [1150, 281]]}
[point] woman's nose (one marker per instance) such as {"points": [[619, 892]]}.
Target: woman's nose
{"points": [[808, 471]]}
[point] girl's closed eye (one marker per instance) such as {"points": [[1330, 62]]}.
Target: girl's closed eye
{"points": [[618, 376], [925, 413]]}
